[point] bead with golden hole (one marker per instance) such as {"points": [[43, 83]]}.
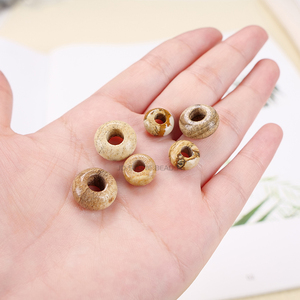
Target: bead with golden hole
{"points": [[90, 199], [143, 177], [187, 161], [112, 129], [199, 121], [157, 129]]}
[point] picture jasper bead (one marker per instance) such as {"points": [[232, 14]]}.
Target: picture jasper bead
{"points": [[139, 169], [184, 155], [158, 122], [99, 179], [115, 129], [199, 121]]}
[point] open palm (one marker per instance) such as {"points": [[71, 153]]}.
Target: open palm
{"points": [[153, 240]]}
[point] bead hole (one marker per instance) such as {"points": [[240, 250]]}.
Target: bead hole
{"points": [[160, 118], [97, 183], [186, 151], [138, 166], [115, 137], [197, 115]]}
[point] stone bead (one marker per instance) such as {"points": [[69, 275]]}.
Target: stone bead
{"points": [[155, 128], [199, 121], [133, 175], [187, 161], [112, 129], [90, 199]]}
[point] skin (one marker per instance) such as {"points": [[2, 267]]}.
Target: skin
{"points": [[154, 240]]}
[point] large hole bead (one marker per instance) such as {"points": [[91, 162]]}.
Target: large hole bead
{"points": [[199, 121], [94, 189], [159, 122], [112, 150], [139, 169], [184, 155]]}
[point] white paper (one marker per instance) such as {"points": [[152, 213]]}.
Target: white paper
{"points": [[287, 13], [27, 73], [251, 260], [79, 71]]}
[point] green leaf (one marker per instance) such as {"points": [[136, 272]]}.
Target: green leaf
{"points": [[246, 217], [273, 96], [267, 214]]}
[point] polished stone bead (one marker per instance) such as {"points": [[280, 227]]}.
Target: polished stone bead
{"points": [[115, 129], [184, 155], [94, 189], [199, 121], [139, 169], [159, 122]]}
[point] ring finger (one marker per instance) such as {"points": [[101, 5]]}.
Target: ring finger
{"points": [[237, 111]]}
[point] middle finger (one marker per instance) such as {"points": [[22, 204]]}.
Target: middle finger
{"points": [[207, 79]]}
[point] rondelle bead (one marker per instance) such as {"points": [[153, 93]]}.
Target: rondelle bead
{"points": [[184, 155], [99, 180], [158, 122], [115, 129], [199, 121], [139, 169]]}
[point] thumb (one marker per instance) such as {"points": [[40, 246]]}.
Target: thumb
{"points": [[5, 104]]}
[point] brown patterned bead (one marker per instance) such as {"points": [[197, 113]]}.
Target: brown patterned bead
{"points": [[184, 155], [115, 129], [139, 169], [87, 181], [165, 125], [199, 121]]}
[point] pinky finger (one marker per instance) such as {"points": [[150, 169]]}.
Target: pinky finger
{"points": [[5, 104], [227, 192]]}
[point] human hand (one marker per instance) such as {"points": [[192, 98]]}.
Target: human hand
{"points": [[153, 240]]}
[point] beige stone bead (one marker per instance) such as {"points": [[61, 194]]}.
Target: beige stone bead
{"points": [[91, 199], [199, 121], [133, 169], [115, 129], [184, 155], [155, 128]]}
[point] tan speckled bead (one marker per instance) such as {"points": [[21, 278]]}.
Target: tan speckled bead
{"points": [[155, 128], [178, 160], [199, 121], [90, 199], [139, 178], [109, 130]]}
